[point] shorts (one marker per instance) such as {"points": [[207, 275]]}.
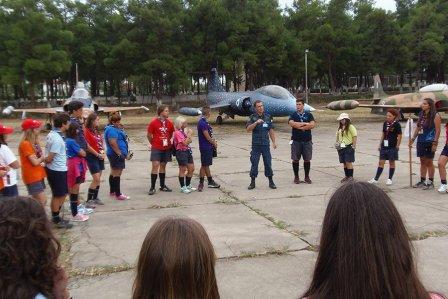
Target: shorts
{"points": [[57, 181], [301, 149], [116, 162], [10, 191], [389, 154], [184, 158], [36, 187], [161, 156], [445, 150], [207, 157], [347, 155], [95, 165], [424, 150]]}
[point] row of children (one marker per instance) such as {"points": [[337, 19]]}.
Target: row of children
{"points": [[71, 148]]}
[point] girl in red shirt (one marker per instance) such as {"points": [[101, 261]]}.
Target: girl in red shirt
{"points": [[95, 157]]}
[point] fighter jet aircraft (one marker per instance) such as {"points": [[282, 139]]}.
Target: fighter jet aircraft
{"points": [[277, 100], [79, 94], [405, 102]]}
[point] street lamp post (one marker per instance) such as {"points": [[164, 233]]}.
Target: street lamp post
{"points": [[306, 76]]}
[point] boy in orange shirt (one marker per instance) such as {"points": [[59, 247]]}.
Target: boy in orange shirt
{"points": [[31, 160]]}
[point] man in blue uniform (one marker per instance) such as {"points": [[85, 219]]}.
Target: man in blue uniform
{"points": [[260, 124], [302, 123]]}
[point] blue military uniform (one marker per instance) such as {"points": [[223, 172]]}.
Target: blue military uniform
{"points": [[260, 144]]}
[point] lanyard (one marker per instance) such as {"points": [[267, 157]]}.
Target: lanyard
{"points": [[389, 126], [301, 116]]}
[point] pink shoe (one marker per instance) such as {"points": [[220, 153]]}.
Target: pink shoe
{"points": [[122, 197], [112, 195], [80, 218]]}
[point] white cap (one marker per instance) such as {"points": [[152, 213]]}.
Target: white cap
{"points": [[343, 116]]}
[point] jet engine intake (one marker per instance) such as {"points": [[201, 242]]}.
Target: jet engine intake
{"points": [[242, 106]]}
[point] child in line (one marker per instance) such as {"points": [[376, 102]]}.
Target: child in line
{"points": [[32, 160], [182, 139], [8, 161], [76, 171]]}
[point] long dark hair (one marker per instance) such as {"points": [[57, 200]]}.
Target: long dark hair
{"points": [[365, 251], [2, 140], [90, 120], [347, 125], [29, 251], [176, 260], [431, 115]]}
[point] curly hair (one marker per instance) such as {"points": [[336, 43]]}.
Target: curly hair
{"points": [[28, 250]]}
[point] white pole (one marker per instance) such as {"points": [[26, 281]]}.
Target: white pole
{"points": [[306, 76]]}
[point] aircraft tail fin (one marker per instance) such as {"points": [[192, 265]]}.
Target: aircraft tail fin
{"points": [[214, 84], [378, 91]]}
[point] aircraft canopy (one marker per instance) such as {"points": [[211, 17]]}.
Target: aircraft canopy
{"points": [[275, 91], [83, 96]]}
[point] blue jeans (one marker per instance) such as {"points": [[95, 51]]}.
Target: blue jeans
{"points": [[258, 150]]}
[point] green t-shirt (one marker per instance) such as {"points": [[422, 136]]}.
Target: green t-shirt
{"points": [[346, 137]]}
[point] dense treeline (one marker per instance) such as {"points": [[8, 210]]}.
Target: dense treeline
{"points": [[158, 47]]}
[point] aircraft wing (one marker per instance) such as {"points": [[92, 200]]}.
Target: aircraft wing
{"points": [[10, 109], [118, 109], [190, 111]]}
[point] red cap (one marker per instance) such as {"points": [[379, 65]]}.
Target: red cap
{"points": [[30, 124], [5, 130]]}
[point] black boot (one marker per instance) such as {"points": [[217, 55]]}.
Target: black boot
{"points": [[271, 183], [252, 183]]}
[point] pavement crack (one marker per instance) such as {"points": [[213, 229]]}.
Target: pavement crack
{"points": [[279, 224]]}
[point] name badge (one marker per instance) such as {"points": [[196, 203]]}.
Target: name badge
{"points": [[290, 142], [265, 125], [343, 145], [164, 142], [386, 143]]}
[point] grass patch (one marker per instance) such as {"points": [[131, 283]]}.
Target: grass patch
{"points": [[98, 271], [269, 251], [169, 206], [65, 258], [427, 234], [226, 201]]}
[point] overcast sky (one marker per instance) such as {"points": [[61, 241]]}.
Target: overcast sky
{"points": [[384, 4]]}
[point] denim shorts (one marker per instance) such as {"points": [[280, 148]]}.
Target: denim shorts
{"points": [[36, 187]]}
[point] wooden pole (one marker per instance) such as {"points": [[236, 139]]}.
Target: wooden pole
{"points": [[410, 151]]}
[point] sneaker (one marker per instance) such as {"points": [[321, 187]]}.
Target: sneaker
{"points": [[389, 182], [191, 188], [90, 204], [296, 180], [122, 197], [213, 184], [80, 218], [63, 224], [152, 191], [308, 180], [419, 185], [98, 202], [84, 210], [442, 188], [200, 187], [272, 185], [429, 185], [373, 181], [112, 194], [165, 189], [185, 190]]}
